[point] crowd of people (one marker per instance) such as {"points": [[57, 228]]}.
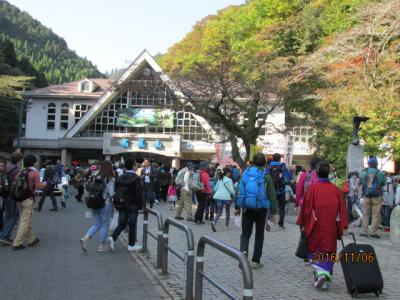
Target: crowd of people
{"points": [[259, 195]]}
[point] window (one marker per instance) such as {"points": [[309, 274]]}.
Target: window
{"points": [[64, 116], [303, 134], [51, 116], [86, 87], [80, 111]]}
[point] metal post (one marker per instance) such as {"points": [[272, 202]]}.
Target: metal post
{"points": [[164, 254], [232, 252], [145, 228], [160, 240], [189, 274], [199, 278]]}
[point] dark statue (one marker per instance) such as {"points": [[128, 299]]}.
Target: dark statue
{"points": [[356, 128]]}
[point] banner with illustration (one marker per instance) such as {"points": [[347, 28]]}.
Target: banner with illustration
{"points": [[255, 149], [136, 117]]}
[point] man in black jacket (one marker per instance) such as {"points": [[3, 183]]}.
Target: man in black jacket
{"points": [[128, 199]]}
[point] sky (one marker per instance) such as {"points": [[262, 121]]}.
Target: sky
{"points": [[111, 33]]}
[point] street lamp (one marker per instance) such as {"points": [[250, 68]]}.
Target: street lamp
{"points": [[24, 105]]}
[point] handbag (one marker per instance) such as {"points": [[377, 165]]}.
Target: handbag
{"points": [[302, 250]]}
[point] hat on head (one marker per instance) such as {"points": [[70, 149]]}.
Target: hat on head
{"points": [[190, 165], [204, 164], [373, 161]]}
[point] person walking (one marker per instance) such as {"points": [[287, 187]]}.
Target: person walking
{"points": [[185, 200], [25, 232], [172, 194], [148, 175], [224, 194], [10, 210], [79, 180], [305, 180], [323, 220], [388, 203], [101, 216], [50, 178], [256, 195], [204, 194], [281, 177], [128, 200], [372, 181]]}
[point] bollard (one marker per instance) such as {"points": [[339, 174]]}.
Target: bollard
{"points": [[188, 258], [232, 252]]}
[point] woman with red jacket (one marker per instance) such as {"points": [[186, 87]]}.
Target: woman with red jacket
{"points": [[323, 219]]}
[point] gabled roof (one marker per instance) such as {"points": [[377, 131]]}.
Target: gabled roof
{"points": [[143, 58], [71, 89]]}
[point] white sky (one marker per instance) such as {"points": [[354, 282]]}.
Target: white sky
{"points": [[112, 32]]}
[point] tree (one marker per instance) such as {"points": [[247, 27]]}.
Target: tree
{"points": [[229, 70]]}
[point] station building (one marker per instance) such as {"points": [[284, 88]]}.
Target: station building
{"points": [[96, 119]]}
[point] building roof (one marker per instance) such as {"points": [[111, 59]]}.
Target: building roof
{"points": [[71, 89]]}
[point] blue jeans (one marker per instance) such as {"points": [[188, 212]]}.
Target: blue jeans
{"points": [[149, 193], [220, 207], [11, 216], [101, 222]]}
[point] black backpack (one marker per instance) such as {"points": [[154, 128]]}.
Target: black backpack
{"points": [[19, 189], [278, 179], [95, 198], [124, 194]]}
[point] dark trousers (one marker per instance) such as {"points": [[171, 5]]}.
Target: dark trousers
{"points": [[48, 191], [11, 217], [386, 211], [126, 216], [164, 192], [202, 203], [350, 201], [211, 208], [78, 197], [282, 206], [148, 193], [249, 217]]}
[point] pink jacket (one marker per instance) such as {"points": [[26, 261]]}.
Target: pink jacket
{"points": [[172, 190], [300, 186]]}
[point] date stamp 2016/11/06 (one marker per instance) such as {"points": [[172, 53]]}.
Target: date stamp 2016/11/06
{"points": [[355, 257]]}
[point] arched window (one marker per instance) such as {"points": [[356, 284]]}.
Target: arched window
{"points": [[64, 116], [51, 116]]}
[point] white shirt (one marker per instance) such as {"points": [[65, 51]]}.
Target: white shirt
{"points": [[147, 171]]}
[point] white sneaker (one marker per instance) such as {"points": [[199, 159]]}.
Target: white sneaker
{"points": [[103, 248], [134, 248], [156, 201], [110, 242], [320, 282]]}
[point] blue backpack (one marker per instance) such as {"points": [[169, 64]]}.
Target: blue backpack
{"points": [[371, 187], [252, 192]]}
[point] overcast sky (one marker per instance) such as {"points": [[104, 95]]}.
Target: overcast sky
{"points": [[112, 32]]}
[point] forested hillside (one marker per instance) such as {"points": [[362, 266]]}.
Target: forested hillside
{"points": [[326, 60], [47, 52], [15, 75]]}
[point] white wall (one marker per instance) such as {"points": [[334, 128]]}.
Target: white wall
{"points": [[36, 119]]}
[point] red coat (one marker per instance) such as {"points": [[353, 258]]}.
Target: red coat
{"points": [[323, 216]]}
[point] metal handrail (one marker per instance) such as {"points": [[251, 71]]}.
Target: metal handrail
{"points": [[158, 238], [232, 252], [188, 259]]}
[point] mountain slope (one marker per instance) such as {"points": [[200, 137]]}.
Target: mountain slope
{"points": [[47, 52]]}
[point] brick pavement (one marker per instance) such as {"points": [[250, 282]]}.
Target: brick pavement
{"points": [[57, 269], [284, 275]]}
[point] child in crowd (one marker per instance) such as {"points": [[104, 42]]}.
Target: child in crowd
{"points": [[65, 195], [172, 194]]}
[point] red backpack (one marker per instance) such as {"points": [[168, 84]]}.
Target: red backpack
{"points": [[346, 187]]}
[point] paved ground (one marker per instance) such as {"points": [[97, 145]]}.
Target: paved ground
{"points": [[283, 277], [57, 269]]}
